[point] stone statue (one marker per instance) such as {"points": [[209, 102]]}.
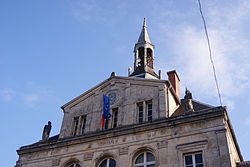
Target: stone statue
{"points": [[188, 101], [46, 131], [113, 74]]}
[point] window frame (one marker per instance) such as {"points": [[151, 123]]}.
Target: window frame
{"points": [[75, 126], [149, 118], [193, 159], [83, 123], [79, 122], [192, 147], [144, 163], [74, 165], [108, 161], [106, 124], [114, 117], [144, 113], [140, 112]]}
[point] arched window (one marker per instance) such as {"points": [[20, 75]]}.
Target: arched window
{"points": [[149, 57], [141, 57], [108, 163], [145, 159], [74, 165]]}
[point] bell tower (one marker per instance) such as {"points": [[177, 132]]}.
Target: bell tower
{"points": [[144, 56]]}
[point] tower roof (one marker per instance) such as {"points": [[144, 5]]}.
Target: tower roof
{"points": [[144, 37]]}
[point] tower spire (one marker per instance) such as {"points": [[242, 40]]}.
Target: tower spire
{"points": [[144, 56], [144, 37]]}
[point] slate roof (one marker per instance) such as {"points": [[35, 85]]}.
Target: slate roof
{"points": [[142, 71], [51, 140], [198, 106], [243, 164]]}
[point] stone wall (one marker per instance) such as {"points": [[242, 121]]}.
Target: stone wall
{"points": [[168, 139], [129, 92]]}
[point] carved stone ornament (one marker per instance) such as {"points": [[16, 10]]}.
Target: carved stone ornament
{"points": [[88, 156], [113, 96], [56, 162], [123, 150], [162, 144]]}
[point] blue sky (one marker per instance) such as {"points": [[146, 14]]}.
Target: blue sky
{"points": [[53, 50]]}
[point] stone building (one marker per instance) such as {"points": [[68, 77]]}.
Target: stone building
{"points": [[150, 126]]}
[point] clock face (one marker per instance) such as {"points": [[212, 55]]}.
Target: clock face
{"points": [[112, 96]]}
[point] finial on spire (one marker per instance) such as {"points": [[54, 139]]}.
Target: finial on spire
{"points": [[144, 22]]}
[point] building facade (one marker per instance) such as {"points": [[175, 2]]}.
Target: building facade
{"points": [[150, 125]]}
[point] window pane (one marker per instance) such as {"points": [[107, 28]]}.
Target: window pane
{"points": [[140, 159], [75, 126], [149, 115], [198, 158], [140, 114], [103, 164], [153, 165], [149, 106], [112, 163], [106, 124], [150, 157], [188, 160], [115, 117], [140, 108], [83, 124], [140, 117], [199, 165]]}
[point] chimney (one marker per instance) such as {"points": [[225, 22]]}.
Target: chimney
{"points": [[175, 81]]}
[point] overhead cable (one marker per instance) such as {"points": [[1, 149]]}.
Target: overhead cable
{"points": [[210, 52]]}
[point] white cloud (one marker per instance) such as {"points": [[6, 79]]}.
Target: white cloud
{"points": [[7, 94], [230, 49], [30, 95], [31, 100], [247, 121]]}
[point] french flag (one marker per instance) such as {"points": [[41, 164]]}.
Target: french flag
{"points": [[106, 109]]}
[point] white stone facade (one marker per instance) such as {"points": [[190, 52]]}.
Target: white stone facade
{"points": [[167, 138], [129, 92]]}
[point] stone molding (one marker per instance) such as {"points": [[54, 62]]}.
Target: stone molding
{"points": [[156, 124], [123, 150], [162, 144], [56, 162], [88, 156]]}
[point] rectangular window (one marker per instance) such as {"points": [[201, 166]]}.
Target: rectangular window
{"points": [[140, 112], [193, 160], [149, 111], [115, 117], [106, 124], [75, 125], [83, 123]]}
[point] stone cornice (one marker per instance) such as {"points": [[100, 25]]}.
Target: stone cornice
{"points": [[124, 130]]}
